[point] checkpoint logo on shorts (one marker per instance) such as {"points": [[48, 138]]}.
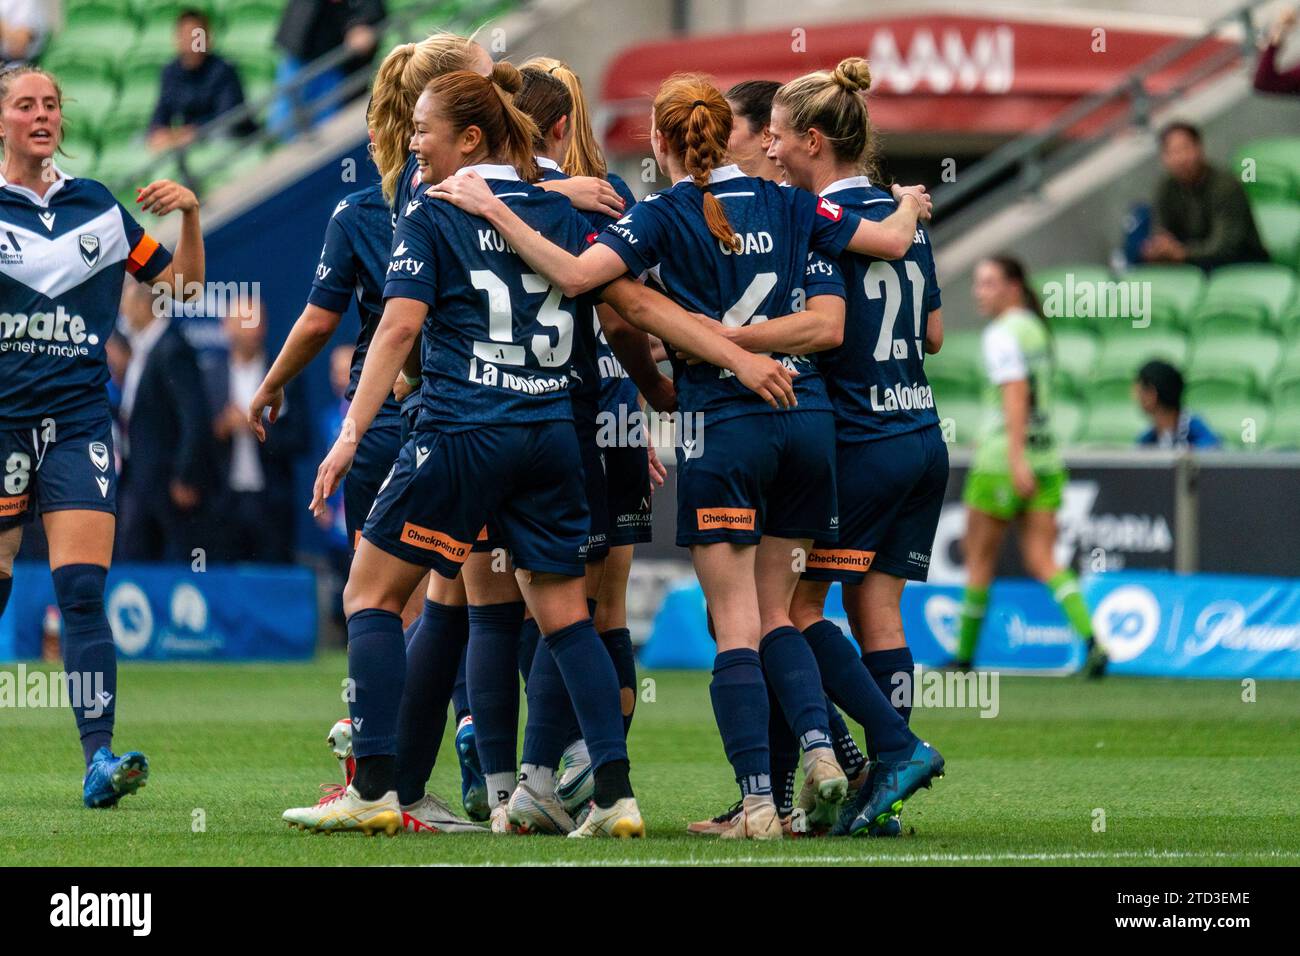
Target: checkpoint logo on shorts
{"points": [[728, 519], [431, 540], [12, 507], [840, 559]]}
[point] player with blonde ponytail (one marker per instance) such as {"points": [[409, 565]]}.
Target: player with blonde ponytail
{"points": [[754, 489]]}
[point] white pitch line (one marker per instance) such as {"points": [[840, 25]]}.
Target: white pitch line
{"points": [[877, 860]]}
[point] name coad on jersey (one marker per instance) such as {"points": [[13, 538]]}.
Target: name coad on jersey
{"points": [[906, 397], [22, 332], [747, 243]]}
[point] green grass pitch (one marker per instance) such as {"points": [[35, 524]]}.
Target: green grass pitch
{"points": [[1185, 773]]}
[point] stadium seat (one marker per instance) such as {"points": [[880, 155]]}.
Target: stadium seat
{"points": [[1284, 431], [1175, 291], [100, 32], [1068, 419], [75, 70], [1216, 388], [1123, 355], [960, 356], [118, 167], [1279, 229], [251, 29], [1276, 163], [240, 8], [1075, 355], [1240, 424], [1058, 284], [1248, 291], [1285, 390], [1113, 424], [960, 419], [85, 108], [1250, 357], [947, 385], [1109, 390], [127, 123]]}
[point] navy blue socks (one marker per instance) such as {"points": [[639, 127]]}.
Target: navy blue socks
{"points": [[847, 754], [529, 635], [433, 657], [618, 641], [6, 588], [853, 688], [593, 690], [893, 672], [550, 712], [377, 667], [88, 652], [791, 669], [460, 692], [493, 681], [740, 707], [784, 755]]}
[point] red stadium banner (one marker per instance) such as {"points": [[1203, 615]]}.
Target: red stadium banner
{"points": [[931, 74]]}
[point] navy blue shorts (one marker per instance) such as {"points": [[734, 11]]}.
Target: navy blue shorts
{"points": [[627, 494], [755, 475], [891, 492], [525, 480], [57, 466], [593, 483], [375, 458]]}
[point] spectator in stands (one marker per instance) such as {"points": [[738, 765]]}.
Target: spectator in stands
{"points": [[751, 133], [258, 511], [196, 87], [1159, 392], [167, 482], [1202, 215], [308, 30], [1268, 78], [25, 28]]}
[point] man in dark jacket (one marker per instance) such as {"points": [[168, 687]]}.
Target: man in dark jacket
{"points": [[308, 30], [196, 87], [168, 478], [1202, 216]]}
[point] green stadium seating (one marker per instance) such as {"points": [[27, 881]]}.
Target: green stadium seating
{"points": [[1109, 390], [1054, 288], [1113, 424], [1248, 291], [1278, 223], [239, 8], [1240, 424], [1123, 355], [1252, 358], [119, 163], [98, 33], [948, 385], [1068, 420], [1284, 433], [1075, 352], [1277, 167], [960, 419], [1174, 291], [1217, 388], [1286, 391], [85, 108], [75, 70], [960, 357]]}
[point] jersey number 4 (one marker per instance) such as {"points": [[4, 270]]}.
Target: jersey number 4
{"points": [[882, 279], [502, 348]]}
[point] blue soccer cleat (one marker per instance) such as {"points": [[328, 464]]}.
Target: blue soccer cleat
{"points": [[473, 786], [895, 781], [111, 778]]}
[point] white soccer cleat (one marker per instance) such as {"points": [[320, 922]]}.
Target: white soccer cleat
{"points": [[757, 820], [824, 788], [499, 820], [430, 814], [577, 784], [622, 821], [340, 741], [531, 812], [345, 811]]}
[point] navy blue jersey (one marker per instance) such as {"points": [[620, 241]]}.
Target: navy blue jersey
{"points": [[62, 261], [771, 274], [353, 263], [585, 390], [499, 341], [408, 187], [876, 378], [615, 387]]}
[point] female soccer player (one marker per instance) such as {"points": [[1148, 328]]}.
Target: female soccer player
{"points": [[891, 461], [751, 134], [751, 487], [70, 243], [1017, 473], [628, 491], [494, 443]]}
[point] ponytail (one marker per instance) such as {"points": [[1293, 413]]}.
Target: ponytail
{"points": [[583, 157], [468, 99], [696, 121]]}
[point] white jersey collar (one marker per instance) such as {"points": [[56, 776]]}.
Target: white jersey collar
{"points": [[491, 171], [547, 163], [43, 201], [852, 182], [719, 175]]}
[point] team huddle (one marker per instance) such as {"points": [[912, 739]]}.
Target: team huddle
{"points": [[512, 295]]}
